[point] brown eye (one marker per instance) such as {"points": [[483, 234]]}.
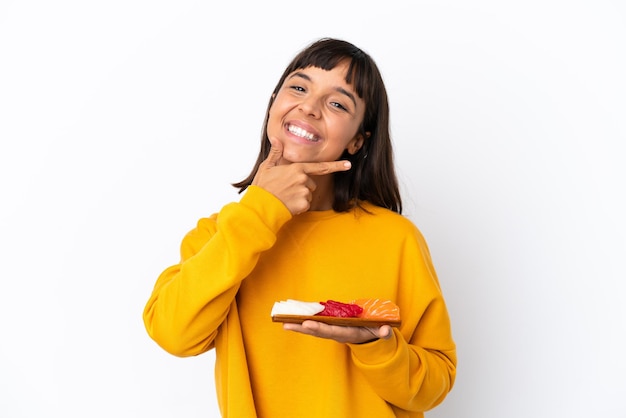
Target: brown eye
{"points": [[338, 106]]}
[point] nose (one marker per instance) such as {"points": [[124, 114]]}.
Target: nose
{"points": [[310, 106]]}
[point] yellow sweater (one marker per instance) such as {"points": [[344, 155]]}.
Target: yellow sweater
{"points": [[237, 263]]}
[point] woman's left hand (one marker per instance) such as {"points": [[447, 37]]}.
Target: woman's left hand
{"points": [[342, 334]]}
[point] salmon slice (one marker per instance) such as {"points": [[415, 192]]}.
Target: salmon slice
{"points": [[378, 309]]}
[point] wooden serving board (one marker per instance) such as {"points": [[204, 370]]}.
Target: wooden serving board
{"points": [[333, 320]]}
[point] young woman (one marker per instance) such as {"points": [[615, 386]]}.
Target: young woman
{"points": [[319, 219]]}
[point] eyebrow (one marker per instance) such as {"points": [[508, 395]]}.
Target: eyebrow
{"points": [[338, 89]]}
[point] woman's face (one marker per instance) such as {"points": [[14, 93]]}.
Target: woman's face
{"points": [[316, 115]]}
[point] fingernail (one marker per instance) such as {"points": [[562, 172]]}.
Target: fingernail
{"points": [[347, 164]]}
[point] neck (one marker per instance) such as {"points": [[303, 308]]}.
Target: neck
{"points": [[324, 193]]}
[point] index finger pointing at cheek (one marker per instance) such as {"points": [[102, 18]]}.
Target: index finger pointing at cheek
{"points": [[328, 167]]}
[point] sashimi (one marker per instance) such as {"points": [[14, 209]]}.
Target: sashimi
{"points": [[359, 312], [296, 307], [378, 309], [340, 309]]}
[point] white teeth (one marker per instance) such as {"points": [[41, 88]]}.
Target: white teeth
{"points": [[301, 133]]}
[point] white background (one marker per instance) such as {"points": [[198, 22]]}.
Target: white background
{"points": [[123, 122]]}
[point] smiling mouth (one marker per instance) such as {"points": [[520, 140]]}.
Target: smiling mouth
{"points": [[297, 131]]}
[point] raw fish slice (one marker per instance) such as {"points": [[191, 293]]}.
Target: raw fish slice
{"points": [[340, 309], [296, 307], [380, 309]]}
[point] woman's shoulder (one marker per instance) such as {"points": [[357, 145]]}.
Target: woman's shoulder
{"points": [[394, 227], [385, 216], [380, 211]]}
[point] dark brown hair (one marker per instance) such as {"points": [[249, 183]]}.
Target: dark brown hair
{"points": [[372, 176]]}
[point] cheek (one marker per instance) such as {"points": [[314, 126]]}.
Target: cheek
{"points": [[277, 111], [273, 122], [344, 136]]}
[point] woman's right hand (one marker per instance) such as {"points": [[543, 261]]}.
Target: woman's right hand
{"points": [[292, 183]]}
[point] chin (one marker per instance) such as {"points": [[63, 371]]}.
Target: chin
{"points": [[294, 157]]}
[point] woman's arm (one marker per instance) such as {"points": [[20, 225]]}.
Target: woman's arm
{"points": [[414, 369], [191, 299]]}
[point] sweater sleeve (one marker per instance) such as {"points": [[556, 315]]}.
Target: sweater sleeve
{"points": [[415, 369], [190, 300]]}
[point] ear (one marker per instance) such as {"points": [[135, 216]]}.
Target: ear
{"points": [[356, 143]]}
